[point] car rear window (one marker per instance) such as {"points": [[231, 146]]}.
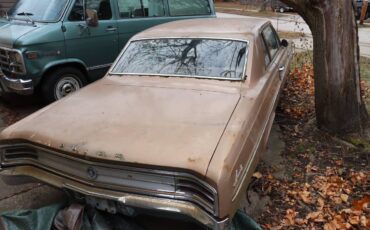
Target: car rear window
{"points": [[202, 58], [189, 7]]}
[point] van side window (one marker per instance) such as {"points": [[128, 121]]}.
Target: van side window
{"points": [[271, 41], [189, 7], [140, 8], [102, 7]]}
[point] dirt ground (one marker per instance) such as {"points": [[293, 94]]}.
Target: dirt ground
{"points": [[325, 179]]}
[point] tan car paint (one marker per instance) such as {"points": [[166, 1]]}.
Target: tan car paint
{"points": [[214, 129], [142, 120]]}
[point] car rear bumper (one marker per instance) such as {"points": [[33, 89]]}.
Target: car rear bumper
{"points": [[131, 200], [18, 86]]}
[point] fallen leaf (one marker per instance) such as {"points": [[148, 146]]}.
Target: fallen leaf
{"points": [[321, 203], [363, 221], [290, 217], [344, 197], [330, 226], [300, 221], [257, 175], [313, 215], [306, 197], [361, 204], [354, 220]]}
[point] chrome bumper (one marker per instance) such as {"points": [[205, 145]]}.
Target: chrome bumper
{"points": [[19, 86], [131, 200]]}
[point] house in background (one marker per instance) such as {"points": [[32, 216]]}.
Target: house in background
{"points": [[5, 5]]}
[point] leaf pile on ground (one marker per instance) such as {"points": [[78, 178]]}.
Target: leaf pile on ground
{"points": [[327, 183], [299, 92]]}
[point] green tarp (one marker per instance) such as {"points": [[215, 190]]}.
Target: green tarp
{"points": [[43, 218], [37, 219]]}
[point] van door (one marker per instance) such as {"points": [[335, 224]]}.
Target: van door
{"points": [[96, 46], [137, 15]]}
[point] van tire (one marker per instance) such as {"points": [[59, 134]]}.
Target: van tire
{"points": [[61, 82]]}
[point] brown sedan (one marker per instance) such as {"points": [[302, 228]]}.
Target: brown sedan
{"points": [[176, 126]]}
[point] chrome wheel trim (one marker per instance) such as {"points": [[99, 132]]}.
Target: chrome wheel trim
{"points": [[66, 85]]}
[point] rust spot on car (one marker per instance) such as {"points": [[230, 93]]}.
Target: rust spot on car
{"points": [[193, 159], [101, 154], [119, 156], [227, 168]]}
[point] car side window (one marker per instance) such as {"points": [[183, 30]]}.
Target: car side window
{"points": [[271, 41], [141, 8], [189, 7], [267, 55], [102, 7]]}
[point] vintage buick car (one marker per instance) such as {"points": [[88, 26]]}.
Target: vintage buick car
{"points": [[176, 126]]}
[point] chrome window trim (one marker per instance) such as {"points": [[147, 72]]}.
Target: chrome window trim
{"points": [[272, 59], [21, 54], [179, 75], [98, 67]]}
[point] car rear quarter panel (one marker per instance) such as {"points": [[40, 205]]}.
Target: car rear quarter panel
{"points": [[245, 137]]}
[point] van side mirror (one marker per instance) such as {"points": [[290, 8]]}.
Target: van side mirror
{"points": [[92, 18], [284, 43]]}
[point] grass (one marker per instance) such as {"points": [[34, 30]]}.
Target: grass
{"points": [[365, 76], [364, 26], [301, 58], [365, 69], [290, 35], [306, 57]]}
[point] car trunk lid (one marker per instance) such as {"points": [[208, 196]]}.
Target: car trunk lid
{"points": [[149, 125]]}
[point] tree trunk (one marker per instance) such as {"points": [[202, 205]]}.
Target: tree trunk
{"points": [[339, 106]]}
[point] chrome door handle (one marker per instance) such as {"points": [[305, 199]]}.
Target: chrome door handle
{"points": [[108, 29]]}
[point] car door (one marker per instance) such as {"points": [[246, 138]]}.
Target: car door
{"points": [[96, 46], [276, 64]]}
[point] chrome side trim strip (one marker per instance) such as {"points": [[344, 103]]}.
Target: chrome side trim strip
{"points": [[99, 67], [260, 136]]}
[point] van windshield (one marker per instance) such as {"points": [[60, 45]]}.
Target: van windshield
{"points": [[39, 11]]}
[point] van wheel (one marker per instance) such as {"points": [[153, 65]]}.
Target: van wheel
{"points": [[62, 82], [282, 10]]}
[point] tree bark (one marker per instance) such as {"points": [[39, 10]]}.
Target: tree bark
{"points": [[339, 105]]}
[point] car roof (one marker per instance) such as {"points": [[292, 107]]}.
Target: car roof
{"points": [[221, 28]]}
